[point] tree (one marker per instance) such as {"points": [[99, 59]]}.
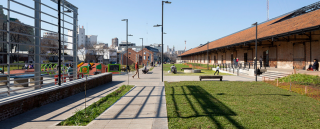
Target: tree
{"points": [[82, 51], [95, 51]]}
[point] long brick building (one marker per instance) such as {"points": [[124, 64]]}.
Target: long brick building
{"points": [[290, 40], [134, 56]]}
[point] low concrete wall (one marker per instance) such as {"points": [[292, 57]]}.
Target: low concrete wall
{"points": [[17, 104]]}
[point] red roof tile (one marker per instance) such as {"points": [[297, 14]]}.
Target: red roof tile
{"points": [[266, 29]]}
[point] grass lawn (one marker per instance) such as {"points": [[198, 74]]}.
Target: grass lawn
{"points": [[95, 109], [166, 68], [211, 104]]}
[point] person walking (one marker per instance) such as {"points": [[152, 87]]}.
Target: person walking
{"points": [[217, 70], [70, 72], [237, 62], [260, 61], [234, 62], [137, 70]]}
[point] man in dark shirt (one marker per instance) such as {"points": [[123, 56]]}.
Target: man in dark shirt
{"points": [[315, 65]]}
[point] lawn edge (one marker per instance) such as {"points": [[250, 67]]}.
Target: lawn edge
{"points": [[98, 117]]}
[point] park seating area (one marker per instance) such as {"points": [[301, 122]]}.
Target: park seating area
{"points": [[210, 77]]}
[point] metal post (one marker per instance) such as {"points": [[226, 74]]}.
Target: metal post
{"points": [[162, 43], [208, 56], [256, 50], [8, 48], [37, 25], [59, 41], [75, 42], [142, 51], [127, 52]]}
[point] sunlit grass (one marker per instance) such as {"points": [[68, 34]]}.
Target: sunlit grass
{"points": [[213, 104], [82, 118]]}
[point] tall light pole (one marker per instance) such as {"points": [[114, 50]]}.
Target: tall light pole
{"points": [[59, 39], [162, 37], [255, 60], [142, 51], [127, 47], [208, 56]]}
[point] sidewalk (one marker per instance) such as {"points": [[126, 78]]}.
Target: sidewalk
{"points": [[144, 107]]}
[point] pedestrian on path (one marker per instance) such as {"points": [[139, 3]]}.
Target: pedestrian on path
{"points": [[70, 72], [234, 62], [260, 61], [137, 70], [237, 62], [217, 70]]}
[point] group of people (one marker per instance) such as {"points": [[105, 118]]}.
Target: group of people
{"points": [[30, 66], [314, 66], [144, 70]]}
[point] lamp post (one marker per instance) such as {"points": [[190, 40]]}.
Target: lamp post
{"points": [[59, 39], [127, 46], [142, 51], [167, 2], [255, 60], [208, 56]]}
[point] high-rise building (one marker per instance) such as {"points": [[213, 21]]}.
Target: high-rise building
{"points": [[91, 39], [114, 42], [81, 37]]}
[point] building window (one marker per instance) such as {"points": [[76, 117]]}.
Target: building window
{"points": [[129, 53], [144, 53], [144, 57]]}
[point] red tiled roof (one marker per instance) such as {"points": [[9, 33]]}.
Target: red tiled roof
{"points": [[266, 29]]}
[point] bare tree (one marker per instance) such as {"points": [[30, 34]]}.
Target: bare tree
{"points": [[95, 52], [82, 51]]}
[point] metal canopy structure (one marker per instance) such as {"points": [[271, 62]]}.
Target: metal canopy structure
{"points": [[32, 40]]}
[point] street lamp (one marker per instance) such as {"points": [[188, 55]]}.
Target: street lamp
{"points": [[255, 61], [142, 51], [167, 2], [59, 38], [208, 56], [127, 47]]}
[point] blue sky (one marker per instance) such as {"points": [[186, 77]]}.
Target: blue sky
{"points": [[194, 21]]}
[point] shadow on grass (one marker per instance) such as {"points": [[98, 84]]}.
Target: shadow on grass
{"points": [[210, 106], [254, 94]]}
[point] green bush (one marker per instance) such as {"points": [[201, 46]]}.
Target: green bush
{"points": [[302, 79]]}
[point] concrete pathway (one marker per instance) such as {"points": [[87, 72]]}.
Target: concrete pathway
{"points": [[143, 107]]}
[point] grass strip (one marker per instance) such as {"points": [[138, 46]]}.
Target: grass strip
{"points": [[253, 105], [95, 109], [151, 68]]}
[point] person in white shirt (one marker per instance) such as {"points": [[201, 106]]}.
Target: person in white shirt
{"points": [[217, 70]]}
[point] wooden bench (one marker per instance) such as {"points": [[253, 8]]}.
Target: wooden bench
{"points": [[185, 68], [210, 77]]}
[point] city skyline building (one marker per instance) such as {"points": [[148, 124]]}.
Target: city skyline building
{"points": [[115, 42]]}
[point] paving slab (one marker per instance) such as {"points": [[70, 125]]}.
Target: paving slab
{"points": [[143, 107]]}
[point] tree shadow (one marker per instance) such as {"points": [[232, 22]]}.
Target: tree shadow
{"points": [[255, 94], [210, 106]]}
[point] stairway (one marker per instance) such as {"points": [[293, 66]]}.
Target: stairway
{"points": [[274, 74]]}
